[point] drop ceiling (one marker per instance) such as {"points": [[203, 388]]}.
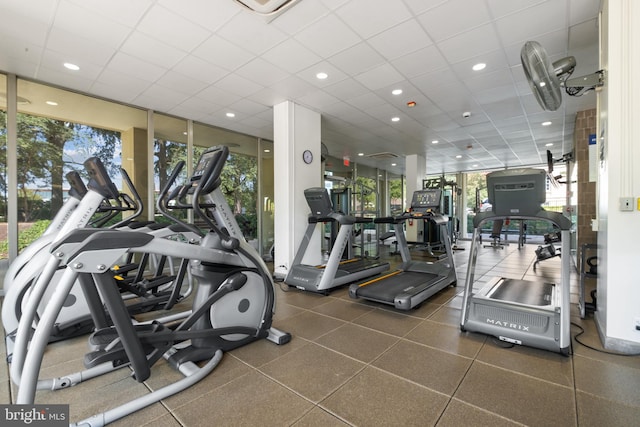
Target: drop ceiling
{"points": [[201, 59]]}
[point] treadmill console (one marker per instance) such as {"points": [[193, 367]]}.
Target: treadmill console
{"points": [[517, 192], [319, 201], [426, 201]]}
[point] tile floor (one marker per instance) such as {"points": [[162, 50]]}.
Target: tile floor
{"points": [[353, 362]]}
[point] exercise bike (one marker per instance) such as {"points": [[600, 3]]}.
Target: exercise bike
{"points": [[233, 304]]}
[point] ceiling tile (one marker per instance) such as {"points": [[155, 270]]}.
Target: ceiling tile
{"points": [[420, 62], [400, 40], [181, 83], [260, 70], [249, 31], [163, 25], [133, 66], [160, 98], [82, 49], [222, 53], [151, 50], [90, 25], [306, 13], [327, 36], [439, 25], [379, 77], [419, 6], [125, 12], [238, 85], [370, 17], [124, 85], [549, 16], [291, 56], [470, 44], [245, 108], [357, 59], [346, 89], [208, 14], [199, 69]]}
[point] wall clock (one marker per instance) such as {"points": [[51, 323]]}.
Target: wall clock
{"points": [[307, 156]]}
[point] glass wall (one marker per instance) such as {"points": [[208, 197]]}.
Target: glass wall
{"points": [[4, 231], [266, 224], [169, 148], [57, 131]]}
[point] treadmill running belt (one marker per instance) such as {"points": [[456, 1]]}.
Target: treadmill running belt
{"points": [[523, 291], [388, 288]]}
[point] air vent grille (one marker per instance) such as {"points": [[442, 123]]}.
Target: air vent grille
{"points": [[383, 155], [267, 7]]}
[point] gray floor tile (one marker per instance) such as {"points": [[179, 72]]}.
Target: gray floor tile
{"points": [[460, 414], [541, 364], [447, 338], [312, 371], [518, 397], [358, 342], [251, 400], [367, 398], [424, 365], [594, 411], [612, 382]]}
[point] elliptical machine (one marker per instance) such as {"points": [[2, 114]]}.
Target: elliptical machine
{"points": [[233, 304]]}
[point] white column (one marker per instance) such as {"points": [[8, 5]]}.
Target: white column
{"points": [[416, 167], [618, 308], [295, 130]]}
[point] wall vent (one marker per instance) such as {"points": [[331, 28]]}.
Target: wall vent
{"points": [[382, 156]]}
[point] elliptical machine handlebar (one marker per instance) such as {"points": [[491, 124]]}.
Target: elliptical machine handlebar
{"points": [[162, 204], [99, 180], [78, 189], [207, 174]]}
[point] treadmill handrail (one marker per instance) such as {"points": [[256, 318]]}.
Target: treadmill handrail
{"points": [[427, 216], [556, 218]]}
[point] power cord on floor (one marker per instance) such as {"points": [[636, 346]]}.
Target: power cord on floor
{"points": [[582, 331]]}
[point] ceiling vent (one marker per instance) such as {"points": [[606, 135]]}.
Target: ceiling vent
{"points": [[382, 156], [269, 9]]}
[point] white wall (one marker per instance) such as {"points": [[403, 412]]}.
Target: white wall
{"points": [[618, 149], [295, 129]]}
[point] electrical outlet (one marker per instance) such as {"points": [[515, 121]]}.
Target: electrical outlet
{"points": [[626, 204]]}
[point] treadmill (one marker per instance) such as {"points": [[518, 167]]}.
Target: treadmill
{"points": [[337, 271], [523, 312], [413, 281]]}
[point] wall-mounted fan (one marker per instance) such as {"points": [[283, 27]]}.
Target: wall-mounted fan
{"points": [[546, 78], [555, 179], [324, 152]]}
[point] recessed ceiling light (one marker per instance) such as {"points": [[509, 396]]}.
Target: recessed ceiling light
{"points": [[51, 103], [322, 76], [435, 141], [71, 66], [360, 154], [266, 150], [549, 144], [396, 91], [479, 66], [458, 156], [393, 164], [546, 123], [474, 166], [395, 119], [231, 115]]}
